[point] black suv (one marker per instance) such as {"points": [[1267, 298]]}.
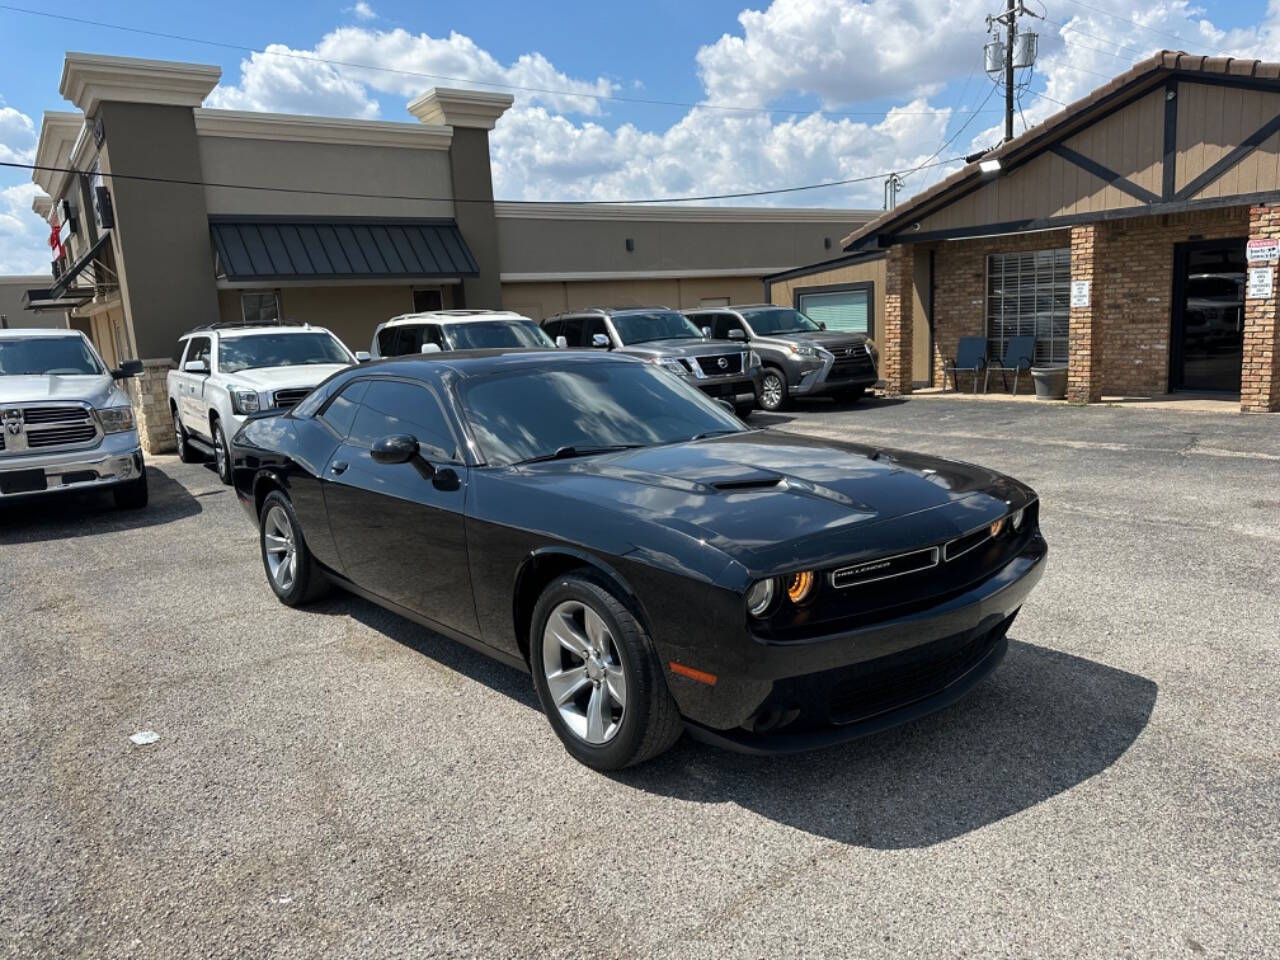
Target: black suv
{"points": [[800, 357], [728, 371]]}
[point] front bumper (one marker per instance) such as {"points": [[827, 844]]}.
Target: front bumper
{"points": [[787, 697], [810, 379], [729, 387], [117, 459]]}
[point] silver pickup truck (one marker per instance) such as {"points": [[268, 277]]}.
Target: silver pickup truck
{"points": [[65, 423]]}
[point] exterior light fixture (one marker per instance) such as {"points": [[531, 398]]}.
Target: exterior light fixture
{"points": [[990, 166]]}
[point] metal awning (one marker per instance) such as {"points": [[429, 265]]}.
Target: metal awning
{"points": [[65, 294], [265, 249]]}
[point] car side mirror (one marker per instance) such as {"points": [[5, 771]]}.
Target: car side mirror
{"points": [[397, 448], [822, 324], [127, 368], [196, 366], [431, 348], [363, 356], [737, 334], [562, 342], [600, 341], [706, 333]]}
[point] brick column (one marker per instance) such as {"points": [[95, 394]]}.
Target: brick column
{"points": [[895, 337], [1260, 371], [149, 393], [1084, 361]]}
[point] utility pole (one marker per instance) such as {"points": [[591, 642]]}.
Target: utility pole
{"points": [[1017, 51]]}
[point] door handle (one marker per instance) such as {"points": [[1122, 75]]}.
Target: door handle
{"points": [[338, 467]]}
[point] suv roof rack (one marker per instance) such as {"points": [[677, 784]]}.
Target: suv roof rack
{"points": [[244, 324]]}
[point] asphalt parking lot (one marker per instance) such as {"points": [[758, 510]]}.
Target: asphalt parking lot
{"points": [[339, 782]]}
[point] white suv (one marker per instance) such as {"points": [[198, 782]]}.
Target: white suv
{"points": [[229, 371], [444, 330]]}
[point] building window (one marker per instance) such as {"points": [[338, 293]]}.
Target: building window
{"points": [[427, 301], [1029, 294], [844, 308], [259, 308]]}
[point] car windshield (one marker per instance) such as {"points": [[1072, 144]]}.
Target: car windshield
{"points": [[47, 356], [279, 350], [482, 334], [659, 325], [584, 407], [771, 323]]}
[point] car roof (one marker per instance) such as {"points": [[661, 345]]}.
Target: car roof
{"points": [[15, 332], [611, 311], [455, 316], [475, 363], [231, 332]]}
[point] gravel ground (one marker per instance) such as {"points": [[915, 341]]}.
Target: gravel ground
{"points": [[338, 782]]}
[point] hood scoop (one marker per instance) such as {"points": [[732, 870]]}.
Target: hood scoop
{"points": [[756, 480]]}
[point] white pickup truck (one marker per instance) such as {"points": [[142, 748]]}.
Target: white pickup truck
{"points": [[65, 424], [229, 371]]}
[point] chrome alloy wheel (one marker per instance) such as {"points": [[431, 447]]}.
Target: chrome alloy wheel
{"points": [[584, 672], [771, 391], [220, 452], [280, 548]]}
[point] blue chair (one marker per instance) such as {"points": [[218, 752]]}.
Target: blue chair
{"points": [[971, 357], [1019, 355]]}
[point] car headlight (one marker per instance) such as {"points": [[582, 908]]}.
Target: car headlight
{"points": [[804, 350], [675, 366], [116, 419], [800, 586], [753, 360], [1018, 517], [870, 346], [760, 597], [245, 401]]}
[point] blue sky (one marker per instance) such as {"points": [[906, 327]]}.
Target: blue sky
{"points": [[867, 87]]}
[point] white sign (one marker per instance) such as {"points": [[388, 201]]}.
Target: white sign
{"points": [[1263, 251], [1080, 293], [1260, 280]]}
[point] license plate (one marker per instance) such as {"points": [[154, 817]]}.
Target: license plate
{"points": [[22, 481]]}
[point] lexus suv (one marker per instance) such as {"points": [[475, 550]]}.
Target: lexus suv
{"points": [[66, 423], [445, 330], [800, 357], [660, 335], [231, 370]]}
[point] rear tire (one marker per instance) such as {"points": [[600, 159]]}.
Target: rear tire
{"points": [[772, 395], [222, 452], [610, 707], [293, 574], [131, 495]]}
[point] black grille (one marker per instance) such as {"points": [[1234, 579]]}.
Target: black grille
{"points": [[885, 567], [851, 363], [970, 541], [290, 397], [712, 368], [34, 415], [1, 438], [57, 436]]}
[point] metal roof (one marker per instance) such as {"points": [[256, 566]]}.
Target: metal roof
{"points": [[294, 248]]}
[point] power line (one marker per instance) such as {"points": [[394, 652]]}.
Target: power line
{"points": [[600, 97], [177, 181]]}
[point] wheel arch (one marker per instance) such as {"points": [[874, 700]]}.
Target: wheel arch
{"points": [[264, 482], [542, 566]]}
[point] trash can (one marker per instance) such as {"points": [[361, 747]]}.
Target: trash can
{"points": [[1050, 380]]}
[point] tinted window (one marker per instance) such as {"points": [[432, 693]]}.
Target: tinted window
{"points": [[721, 324], [401, 341], [591, 326], [279, 350], [478, 335], [659, 325], [552, 328], [46, 355], [535, 411], [768, 323], [198, 348], [391, 407], [572, 331], [342, 411]]}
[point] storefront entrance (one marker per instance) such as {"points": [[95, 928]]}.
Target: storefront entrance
{"points": [[1208, 316]]}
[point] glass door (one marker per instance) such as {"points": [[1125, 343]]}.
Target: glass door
{"points": [[1208, 316]]}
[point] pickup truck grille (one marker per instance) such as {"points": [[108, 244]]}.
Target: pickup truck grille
{"points": [[48, 428], [711, 366], [284, 399]]}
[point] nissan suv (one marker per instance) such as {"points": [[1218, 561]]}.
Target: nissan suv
{"points": [[800, 357], [66, 424], [666, 337], [445, 330]]}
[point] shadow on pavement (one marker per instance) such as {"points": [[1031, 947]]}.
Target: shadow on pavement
{"points": [[62, 516], [1043, 723]]}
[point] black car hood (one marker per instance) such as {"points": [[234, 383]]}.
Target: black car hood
{"points": [[775, 501]]}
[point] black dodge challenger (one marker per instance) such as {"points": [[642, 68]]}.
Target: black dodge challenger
{"points": [[657, 565]]}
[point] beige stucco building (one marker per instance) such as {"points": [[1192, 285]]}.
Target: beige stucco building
{"points": [[174, 215]]}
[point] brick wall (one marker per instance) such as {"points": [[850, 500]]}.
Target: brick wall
{"points": [[150, 397], [1260, 373], [896, 344]]}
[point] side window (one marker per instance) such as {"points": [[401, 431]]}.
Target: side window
{"points": [[723, 323], [198, 348], [429, 333], [590, 327], [342, 409], [572, 331], [392, 406], [552, 328], [387, 338]]}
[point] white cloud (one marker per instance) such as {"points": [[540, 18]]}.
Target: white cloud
{"points": [[24, 237], [284, 80], [17, 136], [363, 11]]}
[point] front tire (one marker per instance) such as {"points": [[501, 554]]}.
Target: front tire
{"points": [[292, 572], [743, 410], [598, 676], [222, 452], [131, 495], [772, 395]]}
